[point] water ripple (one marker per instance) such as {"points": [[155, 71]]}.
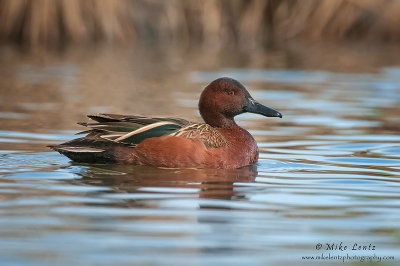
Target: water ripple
{"points": [[328, 173]]}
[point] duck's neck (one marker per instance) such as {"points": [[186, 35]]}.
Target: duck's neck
{"points": [[219, 120]]}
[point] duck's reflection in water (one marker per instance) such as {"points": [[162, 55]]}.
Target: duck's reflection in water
{"points": [[147, 181]]}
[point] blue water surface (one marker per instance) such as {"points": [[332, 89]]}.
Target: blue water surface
{"points": [[328, 173]]}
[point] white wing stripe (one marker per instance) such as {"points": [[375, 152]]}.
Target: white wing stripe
{"points": [[145, 128]]}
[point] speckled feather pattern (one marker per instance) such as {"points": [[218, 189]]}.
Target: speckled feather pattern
{"points": [[210, 136]]}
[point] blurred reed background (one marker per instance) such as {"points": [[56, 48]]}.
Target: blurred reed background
{"points": [[247, 23]]}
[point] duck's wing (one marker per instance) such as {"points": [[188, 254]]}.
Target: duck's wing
{"points": [[109, 137], [108, 133], [131, 130]]}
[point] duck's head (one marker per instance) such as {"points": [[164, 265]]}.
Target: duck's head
{"points": [[224, 98]]}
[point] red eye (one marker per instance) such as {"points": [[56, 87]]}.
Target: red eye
{"points": [[231, 93]]}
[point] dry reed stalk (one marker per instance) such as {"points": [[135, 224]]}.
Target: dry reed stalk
{"points": [[192, 22], [343, 20], [52, 22]]}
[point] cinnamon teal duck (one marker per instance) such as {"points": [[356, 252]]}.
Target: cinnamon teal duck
{"points": [[175, 142]]}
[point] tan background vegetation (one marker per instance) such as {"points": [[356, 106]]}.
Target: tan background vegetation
{"points": [[250, 23]]}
